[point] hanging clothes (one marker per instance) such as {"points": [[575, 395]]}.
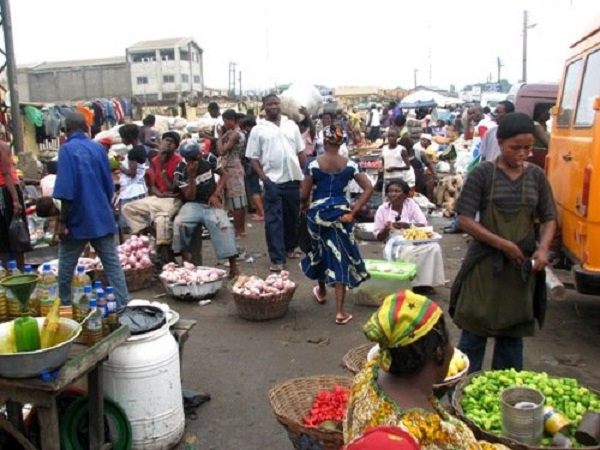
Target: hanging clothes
{"points": [[126, 105], [88, 114], [119, 115], [34, 115]]}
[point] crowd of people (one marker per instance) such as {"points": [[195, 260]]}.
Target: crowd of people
{"points": [[289, 170]]}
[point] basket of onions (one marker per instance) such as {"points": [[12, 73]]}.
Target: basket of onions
{"points": [[190, 281], [135, 258], [257, 299]]}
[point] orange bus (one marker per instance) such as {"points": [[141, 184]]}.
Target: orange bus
{"points": [[574, 155]]}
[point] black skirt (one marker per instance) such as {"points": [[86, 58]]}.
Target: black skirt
{"points": [[6, 216]]}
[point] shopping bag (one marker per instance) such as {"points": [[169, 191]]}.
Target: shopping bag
{"points": [[19, 236], [303, 234]]}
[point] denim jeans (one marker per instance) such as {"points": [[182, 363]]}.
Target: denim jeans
{"points": [[282, 211], [69, 252], [216, 222], [508, 351]]}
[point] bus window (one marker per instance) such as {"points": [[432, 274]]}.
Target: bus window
{"points": [[569, 94], [590, 89]]}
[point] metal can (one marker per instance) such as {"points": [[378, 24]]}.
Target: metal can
{"points": [[554, 422]]}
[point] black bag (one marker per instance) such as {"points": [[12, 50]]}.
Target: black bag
{"points": [[19, 235], [303, 234]]}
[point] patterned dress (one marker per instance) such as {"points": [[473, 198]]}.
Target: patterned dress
{"points": [[369, 406], [334, 257], [235, 188]]}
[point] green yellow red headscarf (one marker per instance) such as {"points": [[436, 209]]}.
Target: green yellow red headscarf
{"points": [[402, 318]]}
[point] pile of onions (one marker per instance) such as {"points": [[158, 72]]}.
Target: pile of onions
{"points": [[255, 287], [134, 253], [190, 274]]}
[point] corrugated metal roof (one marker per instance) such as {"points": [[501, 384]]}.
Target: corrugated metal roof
{"points": [[75, 63], [162, 43]]}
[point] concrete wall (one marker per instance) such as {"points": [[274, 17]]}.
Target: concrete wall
{"points": [[78, 83]]}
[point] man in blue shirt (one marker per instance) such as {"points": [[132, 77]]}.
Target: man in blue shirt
{"points": [[85, 188]]}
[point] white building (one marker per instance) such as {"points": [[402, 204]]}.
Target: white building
{"points": [[166, 70]]}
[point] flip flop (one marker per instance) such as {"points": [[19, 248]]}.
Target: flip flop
{"points": [[294, 255], [343, 321], [320, 300]]}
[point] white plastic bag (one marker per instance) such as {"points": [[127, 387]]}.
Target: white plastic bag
{"points": [[297, 96]]}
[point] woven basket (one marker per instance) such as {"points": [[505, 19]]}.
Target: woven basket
{"points": [[136, 279], [265, 307], [356, 358], [482, 434], [293, 399]]}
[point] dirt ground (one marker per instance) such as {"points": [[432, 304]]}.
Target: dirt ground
{"points": [[237, 361]]}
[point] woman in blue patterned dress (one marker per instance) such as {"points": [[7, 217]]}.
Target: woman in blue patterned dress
{"points": [[334, 259]]}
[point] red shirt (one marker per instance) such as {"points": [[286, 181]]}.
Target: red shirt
{"points": [[169, 168], [13, 172]]}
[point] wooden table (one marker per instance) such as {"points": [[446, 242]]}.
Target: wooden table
{"points": [[83, 360], [180, 332]]}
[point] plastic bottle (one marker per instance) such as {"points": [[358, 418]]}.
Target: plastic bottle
{"points": [[27, 334], [80, 280], [102, 305], [14, 308], [83, 309], [3, 301], [51, 326], [111, 307], [97, 289], [34, 300], [47, 290], [93, 326]]}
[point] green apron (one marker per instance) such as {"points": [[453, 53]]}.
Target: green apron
{"points": [[499, 303]]}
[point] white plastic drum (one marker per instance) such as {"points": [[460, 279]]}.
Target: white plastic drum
{"points": [[142, 376]]}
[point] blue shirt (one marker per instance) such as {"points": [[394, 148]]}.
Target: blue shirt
{"points": [[84, 178]]}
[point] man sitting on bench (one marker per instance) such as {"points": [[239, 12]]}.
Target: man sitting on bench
{"points": [[195, 178]]}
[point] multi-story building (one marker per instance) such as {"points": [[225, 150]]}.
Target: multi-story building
{"points": [[164, 71]]}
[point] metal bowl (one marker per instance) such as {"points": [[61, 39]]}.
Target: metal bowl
{"points": [[33, 364]]}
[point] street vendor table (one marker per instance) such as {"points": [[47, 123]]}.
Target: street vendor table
{"points": [[180, 332], [83, 360]]}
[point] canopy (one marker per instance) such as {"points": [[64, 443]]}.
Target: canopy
{"points": [[427, 99]]}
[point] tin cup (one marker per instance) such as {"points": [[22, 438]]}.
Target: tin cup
{"points": [[522, 414]]}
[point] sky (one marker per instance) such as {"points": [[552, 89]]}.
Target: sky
{"points": [[318, 41]]}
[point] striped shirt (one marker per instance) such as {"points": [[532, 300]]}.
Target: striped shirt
{"points": [[476, 191]]}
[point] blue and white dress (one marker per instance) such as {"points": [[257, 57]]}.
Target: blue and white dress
{"points": [[334, 257]]}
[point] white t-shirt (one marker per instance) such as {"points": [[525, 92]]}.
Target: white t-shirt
{"points": [[132, 187], [393, 158], [375, 118], [277, 149], [216, 122]]}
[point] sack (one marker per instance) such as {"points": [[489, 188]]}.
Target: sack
{"points": [[303, 234], [297, 96], [19, 236]]}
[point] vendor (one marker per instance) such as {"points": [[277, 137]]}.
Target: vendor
{"points": [[396, 388], [500, 289], [401, 212], [427, 154]]}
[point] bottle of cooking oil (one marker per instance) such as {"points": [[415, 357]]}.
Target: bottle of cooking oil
{"points": [[3, 301], [47, 290], [14, 308], [93, 327], [34, 300], [80, 280], [103, 308], [111, 309]]}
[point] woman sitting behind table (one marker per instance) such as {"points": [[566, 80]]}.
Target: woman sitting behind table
{"points": [[401, 212], [396, 388]]}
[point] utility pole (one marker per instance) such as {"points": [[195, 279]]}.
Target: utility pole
{"points": [[500, 66], [240, 83], [526, 26], [232, 76], [415, 76], [11, 68]]}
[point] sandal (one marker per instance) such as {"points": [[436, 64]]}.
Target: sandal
{"points": [[258, 218], [276, 267], [343, 321], [294, 255], [320, 300]]}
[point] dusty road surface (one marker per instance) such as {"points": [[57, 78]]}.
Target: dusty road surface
{"points": [[237, 361]]}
